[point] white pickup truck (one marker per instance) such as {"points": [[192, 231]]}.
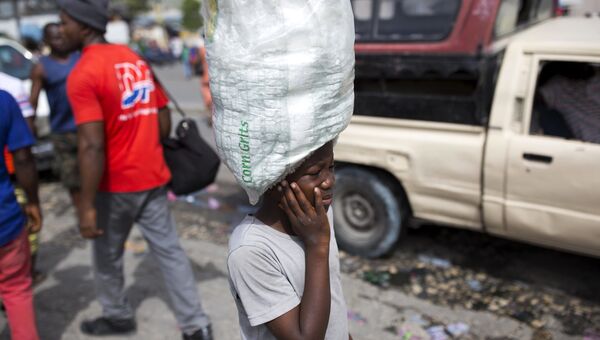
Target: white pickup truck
{"points": [[530, 171]]}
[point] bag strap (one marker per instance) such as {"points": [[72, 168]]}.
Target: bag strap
{"points": [[171, 98], [157, 81]]}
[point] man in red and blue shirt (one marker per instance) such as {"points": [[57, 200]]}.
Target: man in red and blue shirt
{"points": [[121, 115], [15, 260]]}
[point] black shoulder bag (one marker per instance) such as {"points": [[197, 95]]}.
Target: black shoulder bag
{"points": [[193, 163]]}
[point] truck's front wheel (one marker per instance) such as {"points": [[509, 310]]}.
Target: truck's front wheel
{"points": [[369, 212]]}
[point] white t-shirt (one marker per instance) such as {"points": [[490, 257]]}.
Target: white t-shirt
{"points": [[266, 277], [17, 89]]}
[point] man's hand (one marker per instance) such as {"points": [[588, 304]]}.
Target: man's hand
{"points": [[308, 221], [34, 218], [88, 227]]}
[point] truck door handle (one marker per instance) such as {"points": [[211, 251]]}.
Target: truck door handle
{"points": [[537, 158]]}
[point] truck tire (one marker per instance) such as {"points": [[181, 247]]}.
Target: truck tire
{"points": [[369, 212]]}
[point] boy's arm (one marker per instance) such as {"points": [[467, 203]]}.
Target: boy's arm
{"points": [[309, 320], [37, 83], [27, 177]]}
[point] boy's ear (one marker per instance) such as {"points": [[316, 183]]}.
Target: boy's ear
{"points": [[275, 194]]}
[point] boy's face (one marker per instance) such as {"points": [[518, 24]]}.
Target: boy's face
{"points": [[316, 172]]}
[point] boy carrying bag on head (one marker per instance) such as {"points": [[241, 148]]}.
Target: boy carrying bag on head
{"points": [[282, 83], [284, 264]]}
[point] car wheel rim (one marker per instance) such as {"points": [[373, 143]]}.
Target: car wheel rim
{"points": [[358, 212]]}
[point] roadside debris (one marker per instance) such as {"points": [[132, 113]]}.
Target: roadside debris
{"points": [[137, 247], [444, 283], [592, 334], [437, 333], [475, 285], [356, 317], [457, 329], [410, 331], [213, 203], [377, 278], [435, 261]]}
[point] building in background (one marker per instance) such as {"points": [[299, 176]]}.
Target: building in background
{"points": [[582, 7], [25, 18]]}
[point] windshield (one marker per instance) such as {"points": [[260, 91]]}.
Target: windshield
{"points": [[13, 63], [404, 20]]}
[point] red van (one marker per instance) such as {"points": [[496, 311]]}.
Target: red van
{"points": [[442, 26], [435, 60]]}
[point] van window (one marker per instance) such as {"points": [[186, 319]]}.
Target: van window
{"points": [[516, 14], [363, 18], [14, 63], [545, 9], [566, 102], [416, 20], [405, 20]]}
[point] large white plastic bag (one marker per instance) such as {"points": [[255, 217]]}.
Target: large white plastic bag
{"points": [[282, 82]]}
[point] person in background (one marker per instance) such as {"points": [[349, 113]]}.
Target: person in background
{"points": [[32, 45], [571, 90], [121, 115], [51, 75], [185, 61], [17, 90], [117, 30], [15, 260]]}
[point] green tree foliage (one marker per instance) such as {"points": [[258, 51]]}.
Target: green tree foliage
{"points": [[191, 15], [133, 6]]}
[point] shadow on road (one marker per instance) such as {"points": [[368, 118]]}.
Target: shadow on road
{"points": [[149, 283], [509, 260], [72, 293]]}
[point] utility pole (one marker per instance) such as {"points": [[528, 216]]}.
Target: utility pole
{"points": [[17, 18]]}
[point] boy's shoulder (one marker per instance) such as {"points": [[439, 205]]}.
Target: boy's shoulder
{"points": [[250, 232], [252, 238], [242, 235]]}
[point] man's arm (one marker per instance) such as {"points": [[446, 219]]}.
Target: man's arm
{"points": [[90, 143], [27, 178], [37, 83], [164, 121], [309, 320]]}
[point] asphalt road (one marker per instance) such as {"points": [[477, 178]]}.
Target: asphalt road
{"points": [[185, 91]]}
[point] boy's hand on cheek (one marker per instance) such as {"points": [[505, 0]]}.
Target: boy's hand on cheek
{"points": [[308, 221]]}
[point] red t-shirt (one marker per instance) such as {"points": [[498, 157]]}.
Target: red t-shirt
{"points": [[112, 84]]}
